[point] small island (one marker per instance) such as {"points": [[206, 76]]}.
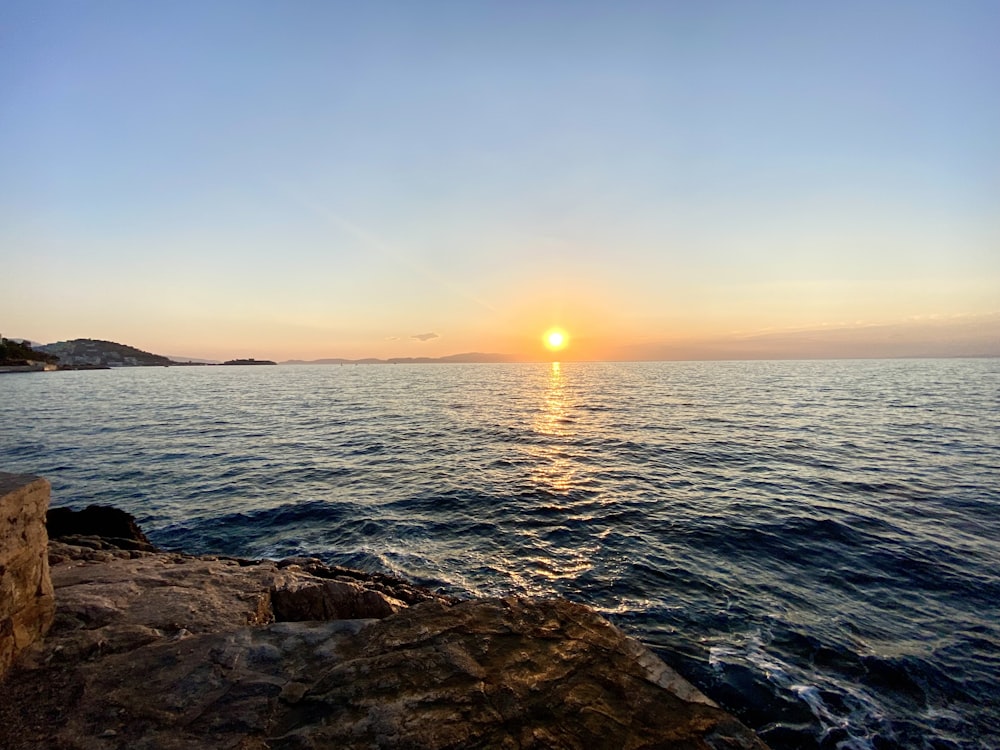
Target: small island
{"points": [[250, 361]]}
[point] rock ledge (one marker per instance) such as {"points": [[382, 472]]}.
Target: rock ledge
{"points": [[154, 650]]}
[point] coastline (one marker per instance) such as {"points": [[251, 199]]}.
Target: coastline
{"points": [[162, 649]]}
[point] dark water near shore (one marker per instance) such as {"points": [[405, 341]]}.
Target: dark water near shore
{"points": [[814, 544]]}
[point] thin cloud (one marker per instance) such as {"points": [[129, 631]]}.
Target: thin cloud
{"points": [[424, 336], [372, 242]]}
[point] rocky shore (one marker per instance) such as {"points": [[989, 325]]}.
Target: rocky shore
{"points": [[153, 649]]}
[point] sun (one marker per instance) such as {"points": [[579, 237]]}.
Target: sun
{"points": [[555, 339]]}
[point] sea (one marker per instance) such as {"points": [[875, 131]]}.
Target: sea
{"points": [[814, 544]]}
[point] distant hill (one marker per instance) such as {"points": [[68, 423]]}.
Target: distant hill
{"points": [[471, 357], [468, 357], [95, 353]]}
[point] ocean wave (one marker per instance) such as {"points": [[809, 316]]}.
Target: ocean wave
{"points": [[813, 544]]}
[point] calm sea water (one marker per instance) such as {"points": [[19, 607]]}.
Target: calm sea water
{"points": [[814, 544]]}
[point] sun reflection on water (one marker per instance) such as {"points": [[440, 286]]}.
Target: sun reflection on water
{"points": [[552, 469], [553, 417]]}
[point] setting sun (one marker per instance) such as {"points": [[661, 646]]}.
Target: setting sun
{"points": [[555, 339]]}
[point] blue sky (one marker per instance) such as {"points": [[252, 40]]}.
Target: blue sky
{"points": [[660, 179]]}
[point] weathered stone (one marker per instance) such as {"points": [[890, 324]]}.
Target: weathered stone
{"points": [[162, 650], [26, 596], [155, 651], [330, 600], [391, 586], [168, 593], [513, 672]]}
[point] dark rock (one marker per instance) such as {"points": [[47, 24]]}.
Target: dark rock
{"points": [[518, 673], [392, 586], [115, 527], [161, 650], [499, 673], [330, 600]]}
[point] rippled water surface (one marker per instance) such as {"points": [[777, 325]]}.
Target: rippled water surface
{"points": [[815, 544]]}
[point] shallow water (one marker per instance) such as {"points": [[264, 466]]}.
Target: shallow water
{"points": [[815, 544]]}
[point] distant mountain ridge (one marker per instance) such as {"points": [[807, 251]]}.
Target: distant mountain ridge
{"points": [[97, 353], [467, 357]]}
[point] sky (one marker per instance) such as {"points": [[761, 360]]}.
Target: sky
{"points": [[660, 180]]}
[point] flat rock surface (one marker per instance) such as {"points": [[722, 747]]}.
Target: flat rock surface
{"points": [[160, 650]]}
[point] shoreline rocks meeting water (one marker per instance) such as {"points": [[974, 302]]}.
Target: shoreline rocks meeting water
{"points": [[108, 642]]}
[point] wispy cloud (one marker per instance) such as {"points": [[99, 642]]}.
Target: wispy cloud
{"points": [[425, 336], [370, 241]]}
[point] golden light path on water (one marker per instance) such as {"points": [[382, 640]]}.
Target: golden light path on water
{"points": [[552, 470], [554, 474]]}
